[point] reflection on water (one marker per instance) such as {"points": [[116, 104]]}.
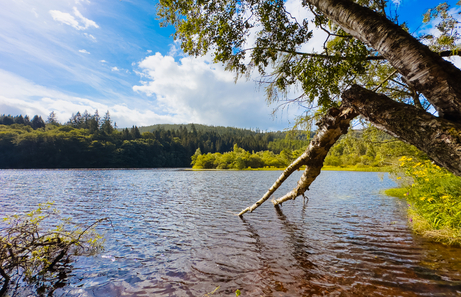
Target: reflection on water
{"points": [[176, 235]]}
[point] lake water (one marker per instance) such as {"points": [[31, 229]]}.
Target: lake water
{"points": [[176, 234]]}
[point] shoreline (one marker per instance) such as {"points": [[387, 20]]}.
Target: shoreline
{"points": [[324, 168], [420, 226]]}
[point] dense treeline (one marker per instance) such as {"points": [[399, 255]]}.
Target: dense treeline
{"points": [[239, 158], [361, 148], [37, 121], [211, 139], [369, 147], [90, 141]]}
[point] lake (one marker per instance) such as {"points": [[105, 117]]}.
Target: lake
{"points": [[176, 234]]}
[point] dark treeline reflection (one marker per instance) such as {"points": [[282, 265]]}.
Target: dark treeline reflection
{"points": [[90, 141]]}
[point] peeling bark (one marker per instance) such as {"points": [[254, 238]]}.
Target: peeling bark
{"points": [[334, 124], [426, 71], [439, 138]]}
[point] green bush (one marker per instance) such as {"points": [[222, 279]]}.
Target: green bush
{"points": [[434, 200]]}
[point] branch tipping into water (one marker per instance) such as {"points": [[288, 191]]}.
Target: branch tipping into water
{"points": [[334, 124]]}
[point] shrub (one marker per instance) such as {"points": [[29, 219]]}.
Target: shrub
{"points": [[434, 200], [27, 253]]}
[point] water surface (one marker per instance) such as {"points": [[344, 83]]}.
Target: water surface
{"points": [[176, 234]]}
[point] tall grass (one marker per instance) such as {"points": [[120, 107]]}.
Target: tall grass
{"points": [[434, 199]]}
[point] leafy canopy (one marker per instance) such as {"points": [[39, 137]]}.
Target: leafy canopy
{"points": [[264, 35]]}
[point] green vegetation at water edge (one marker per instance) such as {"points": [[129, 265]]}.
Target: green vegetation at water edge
{"points": [[29, 254], [432, 193], [363, 150], [89, 141], [359, 168], [242, 159], [368, 148]]}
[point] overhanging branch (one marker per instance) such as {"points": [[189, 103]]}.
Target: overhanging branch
{"points": [[334, 124], [323, 56], [439, 138]]}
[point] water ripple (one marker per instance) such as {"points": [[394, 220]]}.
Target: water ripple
{"points": [[176, 234]]}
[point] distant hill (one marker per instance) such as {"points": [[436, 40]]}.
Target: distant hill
{"points": [[220, 130]]}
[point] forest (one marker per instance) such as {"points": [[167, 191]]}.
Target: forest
{"points": [[90, 141], [360, 149]]}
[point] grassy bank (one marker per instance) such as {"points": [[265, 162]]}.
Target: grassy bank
{"points": [[324, 168], [356, 168], [433, 196]]}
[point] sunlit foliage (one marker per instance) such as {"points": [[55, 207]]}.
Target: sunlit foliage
{"points": [[433, 196]]}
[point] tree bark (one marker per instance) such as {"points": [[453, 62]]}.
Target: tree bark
{"points": [[439, 138], [334, 124], [438, 80]]}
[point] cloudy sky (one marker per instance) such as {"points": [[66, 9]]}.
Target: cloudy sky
{"points": [[75, 55]]}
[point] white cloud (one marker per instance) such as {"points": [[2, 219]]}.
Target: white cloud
{"points": [[68, 19], [65, 18], [91, 37], [88, 23], [103, 61], [83, 51], [202, 92], [149, 51], [114, 69], [21, 96]]}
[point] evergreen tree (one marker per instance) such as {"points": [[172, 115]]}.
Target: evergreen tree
{"points": [[135, 132], [52, 119], [27, 121], [19, 120], [106, 125], [37, 122]]}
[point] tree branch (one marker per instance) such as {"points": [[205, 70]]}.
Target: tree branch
{"points": [[426, 71], [334, 124], [439, 138], [368, 58]]}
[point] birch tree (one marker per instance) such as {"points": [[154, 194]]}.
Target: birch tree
{"points": [[369, 65]]}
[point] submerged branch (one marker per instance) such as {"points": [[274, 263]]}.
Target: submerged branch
{"points": [[334, 124]]}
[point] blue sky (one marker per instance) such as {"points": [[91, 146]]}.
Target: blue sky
{"points": [[75, 55]]}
